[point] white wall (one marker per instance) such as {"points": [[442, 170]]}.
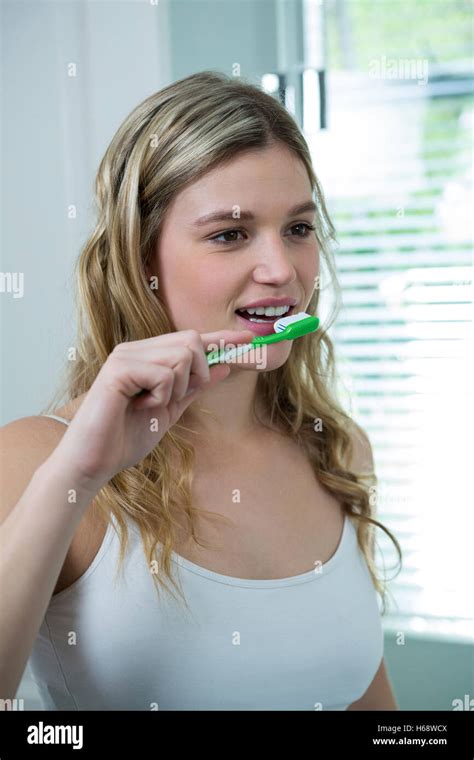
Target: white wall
{"points": [[55, 129]]}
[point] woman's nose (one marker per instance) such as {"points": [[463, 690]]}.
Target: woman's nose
{"points": [[274, 263]]}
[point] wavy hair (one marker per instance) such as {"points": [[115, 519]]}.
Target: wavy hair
{"points": [[171, 139]]}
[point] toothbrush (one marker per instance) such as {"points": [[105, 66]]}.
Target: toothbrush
{"points": [[286, 328]]}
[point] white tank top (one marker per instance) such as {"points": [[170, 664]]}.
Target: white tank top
{"points": [[312, 641]]}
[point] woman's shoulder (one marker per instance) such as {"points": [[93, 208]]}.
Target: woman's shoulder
{"points": [[29, 428], [27, 442]]}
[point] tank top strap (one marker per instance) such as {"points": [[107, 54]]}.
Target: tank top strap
{"points": [[55, 417]]}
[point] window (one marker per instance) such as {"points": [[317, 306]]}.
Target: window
{"points": [[396, 166]]}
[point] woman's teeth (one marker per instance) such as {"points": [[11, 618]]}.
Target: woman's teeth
{"points": [[267, 311]]}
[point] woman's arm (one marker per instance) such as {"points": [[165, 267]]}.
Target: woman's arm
{"points": [[37, 525], [379, 695]]}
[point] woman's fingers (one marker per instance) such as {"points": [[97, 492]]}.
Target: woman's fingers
{"points": [[218, 372], [171, 350], [222, 337]]}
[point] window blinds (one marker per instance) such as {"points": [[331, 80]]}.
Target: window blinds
{"points": [[396, 166]]}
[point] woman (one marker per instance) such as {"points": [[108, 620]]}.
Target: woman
{"points": [[244, 486]]}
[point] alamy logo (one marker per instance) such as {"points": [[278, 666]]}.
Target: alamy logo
{"points": [[12, 282], [466, 704], [11, 704], [41, 734]]}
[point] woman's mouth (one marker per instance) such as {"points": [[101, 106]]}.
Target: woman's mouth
{"points": [[262, 323]]}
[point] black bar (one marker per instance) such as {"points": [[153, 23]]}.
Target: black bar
{"points": [[337, 734]]}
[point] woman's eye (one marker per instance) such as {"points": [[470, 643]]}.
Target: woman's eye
{"points": [[216, 239], [308, 228], [227, 232]]}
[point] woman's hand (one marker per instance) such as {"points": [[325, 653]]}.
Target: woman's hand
{"points": [[141, 390]]}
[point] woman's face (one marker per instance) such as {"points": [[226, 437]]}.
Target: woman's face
{"points": [[208, 269]]}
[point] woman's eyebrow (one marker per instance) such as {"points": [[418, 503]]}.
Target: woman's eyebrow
{"points": [[224, 215]]}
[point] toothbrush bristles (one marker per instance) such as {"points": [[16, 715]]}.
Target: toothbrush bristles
{"points": [[281, 324]]}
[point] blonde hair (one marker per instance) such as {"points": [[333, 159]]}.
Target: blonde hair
{"points": [[171, 139]]}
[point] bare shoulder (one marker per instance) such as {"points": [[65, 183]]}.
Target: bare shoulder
{"points": [[25, 444]]}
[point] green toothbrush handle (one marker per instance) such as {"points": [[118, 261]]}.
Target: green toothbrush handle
{"points": [[263, 340], [292, 331]]}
